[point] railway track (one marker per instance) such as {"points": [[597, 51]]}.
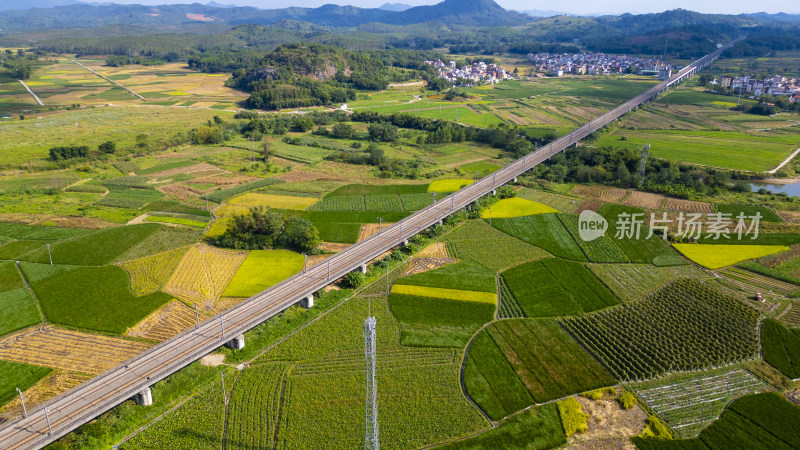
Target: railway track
{"points": [[83, 403]]}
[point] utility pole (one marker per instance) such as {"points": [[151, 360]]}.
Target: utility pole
{"points": [[47, 417], [222, 325], [434, 198], [196, 316], [305, 262], [380, 224], [224, 396], [22, 399], [329, 269], [49, 254], [388, 291], [452, 202]]}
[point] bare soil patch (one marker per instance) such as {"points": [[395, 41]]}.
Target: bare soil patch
{"points": [[609, 425], [334, 247], [213, 360], [419, 265], [605, 193], [435, 250], [644, 200], [369, 229], [687, 206]]}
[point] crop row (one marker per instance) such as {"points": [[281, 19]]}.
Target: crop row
{"points": [[508, 307], [255, 407], [691, 403], [681, 327], [631, 282], [602, 249]]}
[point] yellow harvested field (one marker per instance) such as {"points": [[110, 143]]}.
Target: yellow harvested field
{"points": [[273, 201], [448, 185], [149, 274], [435, 250], [55, 383], [46, 345], [444, 293], [166, 322], [687, 206], [203, 274], [715, 256], [516, 207], [604, 193], [644, 200]]}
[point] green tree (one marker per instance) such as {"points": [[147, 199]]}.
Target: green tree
{"points": [[354, 279], [107, 147], [301, 235]]}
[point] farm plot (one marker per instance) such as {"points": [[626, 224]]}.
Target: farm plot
{"points": [[129, 198], [715, 256], [262, 269], [19, 310], [630, 282], [255, 199], [792, 316], [149, 274], [198, 424], [735, 210], [35, 232], [635, 244], [560, 202], [690, 402], [15, 249], [764, 420], [9, 276], [203, 274], [556, 287], [687, 206], [15, 375], [97, 247], [602, 249], [166, 322], [644, 200], [49, 346], [544, 231], [341, 203], [478, 241], [604, 193], [443, 307], [224, 194], [748, 281], [382, 203], [94, 298], [517, 362], [683, 326], [415, 202], [448, 185], [256, 405], [539, 428], [515, 207], [781, 348]]}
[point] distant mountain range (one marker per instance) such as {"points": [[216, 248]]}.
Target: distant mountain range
{"points": [[29, 15], [18, 15]]}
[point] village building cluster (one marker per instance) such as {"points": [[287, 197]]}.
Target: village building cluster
{"points": [[477, 72], [597, 64], [774, 85]]}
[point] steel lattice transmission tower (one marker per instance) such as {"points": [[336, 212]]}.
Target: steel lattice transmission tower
{"points": [[643, 159], [371, 434]]}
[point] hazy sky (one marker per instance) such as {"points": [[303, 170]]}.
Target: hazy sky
{"points": [[568, 6]]}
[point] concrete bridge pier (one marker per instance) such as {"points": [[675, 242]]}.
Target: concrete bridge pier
{"points": [[307, 302], [236, 343], [514, 180], [440, 222], [405, 242], [494, 191], [363, 269], [144, 398]]}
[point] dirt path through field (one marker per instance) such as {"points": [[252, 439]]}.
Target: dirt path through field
{"points": [[469, 161], [785, 162]]}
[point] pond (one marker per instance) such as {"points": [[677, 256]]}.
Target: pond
{"points": [[792, 189]]}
